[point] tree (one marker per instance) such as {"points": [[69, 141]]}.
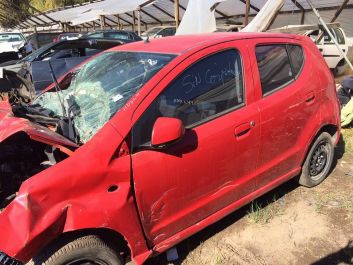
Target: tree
{"points": [[12, 12]]}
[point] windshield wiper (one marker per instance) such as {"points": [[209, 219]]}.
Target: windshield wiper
{"points": [[67, 127], [57, 89]]}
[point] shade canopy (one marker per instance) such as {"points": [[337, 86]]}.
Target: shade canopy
{"points": [[157, 12]]}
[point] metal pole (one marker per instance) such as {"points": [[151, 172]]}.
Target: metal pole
{"points": [[134, 21], [176, 13], [139, 21], [322, 22], [247, 11], [102, 21]]}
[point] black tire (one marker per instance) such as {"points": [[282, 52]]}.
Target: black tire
{"points": [[318, 161], [84, 250]]}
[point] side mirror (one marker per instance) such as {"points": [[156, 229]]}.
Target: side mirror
{"points": [[166, 131]]}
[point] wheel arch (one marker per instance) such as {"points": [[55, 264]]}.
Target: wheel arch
{"points": [[111, 237], [332, 129]]}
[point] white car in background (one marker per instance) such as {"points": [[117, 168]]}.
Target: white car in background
{"points": [[159, 32], [325, 44], [11, 42], [328, 49]]}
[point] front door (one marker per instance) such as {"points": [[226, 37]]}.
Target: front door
{"points": [[211, 166]]}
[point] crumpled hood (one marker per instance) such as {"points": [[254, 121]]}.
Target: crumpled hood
{"points": [[10, 125], [11, 46]]}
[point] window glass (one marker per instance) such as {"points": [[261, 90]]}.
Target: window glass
{"points": [[103, 86], [209, 87], [296, 56], [96, 35], [340, 37], [168, 32], [117, 35], [11, 37], [274, 67], [327, 38]]}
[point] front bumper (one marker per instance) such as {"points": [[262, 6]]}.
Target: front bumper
{"points": [[7, 260]]}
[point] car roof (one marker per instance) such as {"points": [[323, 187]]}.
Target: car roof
{"points": [[110, 30], [183, 43]]}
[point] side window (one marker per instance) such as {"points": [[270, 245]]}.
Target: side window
{"points": [[96, 35], [274, 67], [340, 37], [296, 56], [208, 88], [327, 38]]}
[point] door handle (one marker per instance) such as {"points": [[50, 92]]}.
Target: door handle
{"points": [[310, 98], [243, 130]]}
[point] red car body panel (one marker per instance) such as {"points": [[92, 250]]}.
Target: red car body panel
{"points": [[10, 125], [178, 195]]}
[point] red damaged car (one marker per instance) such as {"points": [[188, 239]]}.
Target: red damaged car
{"points": [[150, 142]]}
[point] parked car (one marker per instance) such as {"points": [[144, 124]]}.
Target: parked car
{"points": [[159, 32], [148, 143], [326, 45], [32, 74], [113, 34], [11, 44], [68, 36], [41, 39]]}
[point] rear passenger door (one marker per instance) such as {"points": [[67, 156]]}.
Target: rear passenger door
{"points": [[287, 99]]}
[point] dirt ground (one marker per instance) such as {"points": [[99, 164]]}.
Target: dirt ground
{"points": [[290, 225]]}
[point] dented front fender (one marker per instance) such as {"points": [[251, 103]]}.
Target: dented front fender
{"points": [[91, 189]]}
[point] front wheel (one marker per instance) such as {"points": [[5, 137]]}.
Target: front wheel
{"points": [[318, 162], [86, 250]]}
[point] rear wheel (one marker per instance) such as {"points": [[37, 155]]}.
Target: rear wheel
{"points": [[84, 250], [318, 162]]}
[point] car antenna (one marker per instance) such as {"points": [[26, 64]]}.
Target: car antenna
{"points": [[58, 89], [147, 40]]}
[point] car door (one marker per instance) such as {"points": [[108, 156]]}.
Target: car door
{"points": [[213, 165], [288, 103], [330, 51]]}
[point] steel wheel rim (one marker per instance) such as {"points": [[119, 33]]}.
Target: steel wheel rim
{"points": [[319, 160]]}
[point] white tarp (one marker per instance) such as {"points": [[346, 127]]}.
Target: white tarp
{"points": [[91, 12], [107, 7], [198, 17], [264, 18]]}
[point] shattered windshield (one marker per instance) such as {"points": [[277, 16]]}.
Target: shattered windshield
{"points": [[101, 88]]}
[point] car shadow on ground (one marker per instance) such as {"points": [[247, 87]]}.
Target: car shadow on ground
{"points": [[190, 244], [343, 256]]}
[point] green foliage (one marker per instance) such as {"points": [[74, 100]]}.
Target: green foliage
{"points": [[45, 5], [12, 12]]}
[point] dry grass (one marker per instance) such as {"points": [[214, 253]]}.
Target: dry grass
{"points": [[259, 214]]}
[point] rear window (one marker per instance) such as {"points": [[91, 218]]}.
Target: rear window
{"points": [[279, 64], [296, 56]]}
